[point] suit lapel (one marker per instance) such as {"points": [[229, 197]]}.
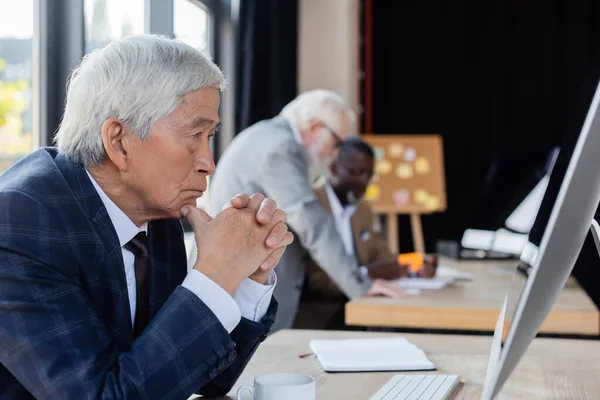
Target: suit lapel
{"points": [[360, 248], [107, 253], [321, 194]]}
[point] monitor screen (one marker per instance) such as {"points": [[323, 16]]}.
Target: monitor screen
{"points": [[522, 218], [509, 239]]}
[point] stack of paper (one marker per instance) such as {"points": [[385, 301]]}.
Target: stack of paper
{"points": [[378, 354], [424, 283], [444, 276], [443, 271]]}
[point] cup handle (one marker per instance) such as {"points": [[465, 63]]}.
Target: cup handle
{"points": [[241, 389]]}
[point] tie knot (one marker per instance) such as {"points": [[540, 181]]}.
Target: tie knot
{"points": [[138, 245]]}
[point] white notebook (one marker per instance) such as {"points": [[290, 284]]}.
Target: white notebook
{"points": [[370, 354]]}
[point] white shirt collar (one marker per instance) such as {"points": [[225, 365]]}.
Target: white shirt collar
{"points": [[336, 207], [126, 229], [295, 131]]}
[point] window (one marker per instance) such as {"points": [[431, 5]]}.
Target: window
{"points": [[17, 138], [192, 24], [108, 20]]}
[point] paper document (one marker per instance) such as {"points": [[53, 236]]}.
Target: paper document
{"points": [[448, 272], [378, 354], [424, 283]]}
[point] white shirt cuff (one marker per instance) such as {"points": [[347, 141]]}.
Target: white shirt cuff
{"points": [[215, 298], [364, 271], [253, 299]]}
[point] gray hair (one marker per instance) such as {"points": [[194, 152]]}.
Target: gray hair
{"points": [[137, 80], [319, 105]]}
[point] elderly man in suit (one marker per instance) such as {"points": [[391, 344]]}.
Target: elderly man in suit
{"points": [[95, 297], [280, 158], [342, 197]]}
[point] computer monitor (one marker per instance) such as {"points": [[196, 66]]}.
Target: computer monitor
{"points": [[555, 240], [510, 239], [511, 176], [521, 219]]}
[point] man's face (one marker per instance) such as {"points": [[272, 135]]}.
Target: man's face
{"points": [[323, 147], [351, 175], [168, 170], [328, 139]]}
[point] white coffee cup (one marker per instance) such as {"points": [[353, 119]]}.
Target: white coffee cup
{"points": [[281, 386]]}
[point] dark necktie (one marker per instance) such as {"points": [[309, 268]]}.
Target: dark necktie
{"points": [[139, 247]]}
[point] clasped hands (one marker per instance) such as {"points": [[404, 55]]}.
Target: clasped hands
{"points": [[245, 240]]}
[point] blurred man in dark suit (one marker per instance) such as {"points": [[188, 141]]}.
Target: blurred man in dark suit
{"points": [[342, 197]]}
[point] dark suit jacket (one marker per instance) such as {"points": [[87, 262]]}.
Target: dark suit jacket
{"points": [[369, 246], [322, 301], [65, 325]]}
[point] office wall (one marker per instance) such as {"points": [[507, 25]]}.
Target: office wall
{"points": [[328, 47]]}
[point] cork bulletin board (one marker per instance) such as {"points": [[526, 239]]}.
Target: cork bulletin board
{"points": [[409, 174]]}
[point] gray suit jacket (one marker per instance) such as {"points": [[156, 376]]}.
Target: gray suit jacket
{"points": [[265, 158]]}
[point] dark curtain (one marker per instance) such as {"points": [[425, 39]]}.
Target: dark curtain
{"points": [[497, 79], [267, 39]]}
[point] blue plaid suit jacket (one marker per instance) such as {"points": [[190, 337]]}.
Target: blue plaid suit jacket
{"points": [[65, 325]]}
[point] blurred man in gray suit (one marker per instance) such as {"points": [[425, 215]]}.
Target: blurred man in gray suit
{"points": [[280, 158]]}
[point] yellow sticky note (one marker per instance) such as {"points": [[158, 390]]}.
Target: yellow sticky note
{"points": [[422, 165], [432, 203], [383, 167], [420, 196], [404, 171], [396, 150], [372, 193]]}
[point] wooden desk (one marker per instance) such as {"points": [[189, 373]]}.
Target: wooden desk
{"points": [[551, 368], [474, 305]]}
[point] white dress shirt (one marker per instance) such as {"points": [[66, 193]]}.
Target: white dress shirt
{"points": [[251, 300], [343, 222], [342, 217]]}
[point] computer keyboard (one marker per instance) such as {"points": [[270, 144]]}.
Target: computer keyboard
{"points": [[418, 387]]}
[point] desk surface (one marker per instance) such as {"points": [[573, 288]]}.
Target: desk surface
{"points": [[551, 368], [474, 305]]}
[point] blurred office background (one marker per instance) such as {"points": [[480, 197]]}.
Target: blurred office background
{"points": [[499, 80]]}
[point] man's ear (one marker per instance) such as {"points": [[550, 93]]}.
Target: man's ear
{"points": [[313, 124], [113, 135], [311, 129]]}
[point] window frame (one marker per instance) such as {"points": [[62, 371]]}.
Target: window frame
{"points": [[60, 45], [34, 78]]}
